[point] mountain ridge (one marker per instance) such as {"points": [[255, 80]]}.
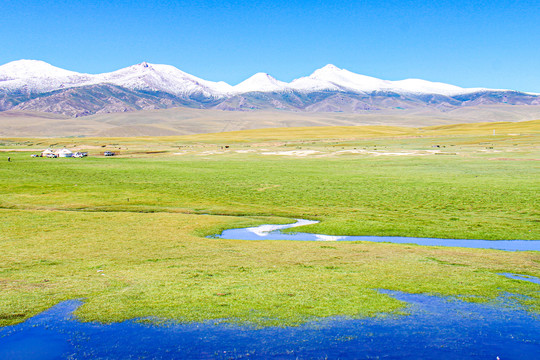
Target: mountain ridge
{"points": [[38, 86], [27, 69]]}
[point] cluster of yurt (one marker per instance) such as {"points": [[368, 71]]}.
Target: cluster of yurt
{"points": [[57, 153]]}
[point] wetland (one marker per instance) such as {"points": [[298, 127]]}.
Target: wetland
{"points": [[128, 234]]}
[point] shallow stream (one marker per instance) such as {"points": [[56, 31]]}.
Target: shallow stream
{"points": [[272, 232]]}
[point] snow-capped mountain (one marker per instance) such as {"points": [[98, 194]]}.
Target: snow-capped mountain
{"points": [[166, 78], [332, 78], [260, 82], [36, 85], [35, 76]]}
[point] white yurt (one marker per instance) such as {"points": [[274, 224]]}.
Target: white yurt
{"points": [[64, 153], [47, 152]]}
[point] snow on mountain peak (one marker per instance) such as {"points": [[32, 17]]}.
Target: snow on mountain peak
{"points": [[326, 72], [262, 82], [35, 76], [332, 78], [23, 69], [166, 78], [329, 67]]}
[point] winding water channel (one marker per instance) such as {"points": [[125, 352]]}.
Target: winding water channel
{"points": [[272, 232]]}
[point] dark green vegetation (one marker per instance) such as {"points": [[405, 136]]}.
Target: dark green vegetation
{"points": [[127, 233]]}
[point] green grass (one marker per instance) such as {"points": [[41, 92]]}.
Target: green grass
{"points": [[127, 234], [436, 196], [128, 265]]}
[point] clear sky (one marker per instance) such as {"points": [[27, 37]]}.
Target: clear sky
{"points": [[492, 43]]}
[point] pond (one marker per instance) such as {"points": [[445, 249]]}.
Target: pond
{"points": [[272, 232], [435, 328]]}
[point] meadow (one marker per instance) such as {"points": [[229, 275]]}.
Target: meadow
{"points": [[128, 234]]}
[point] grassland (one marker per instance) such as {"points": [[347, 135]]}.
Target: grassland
{"points": [[127, 233]]}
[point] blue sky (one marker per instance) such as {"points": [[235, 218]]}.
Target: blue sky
{"points": [[492, 44]]}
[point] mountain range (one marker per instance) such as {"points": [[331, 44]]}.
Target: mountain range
{"points": [[34, 85]]}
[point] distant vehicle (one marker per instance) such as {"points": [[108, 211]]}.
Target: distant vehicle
{"points": [[52, 155], [108, 153], [80, 154]]}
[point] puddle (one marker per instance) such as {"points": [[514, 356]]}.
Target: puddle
{"points": [[436, 328], [271, 232]]}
